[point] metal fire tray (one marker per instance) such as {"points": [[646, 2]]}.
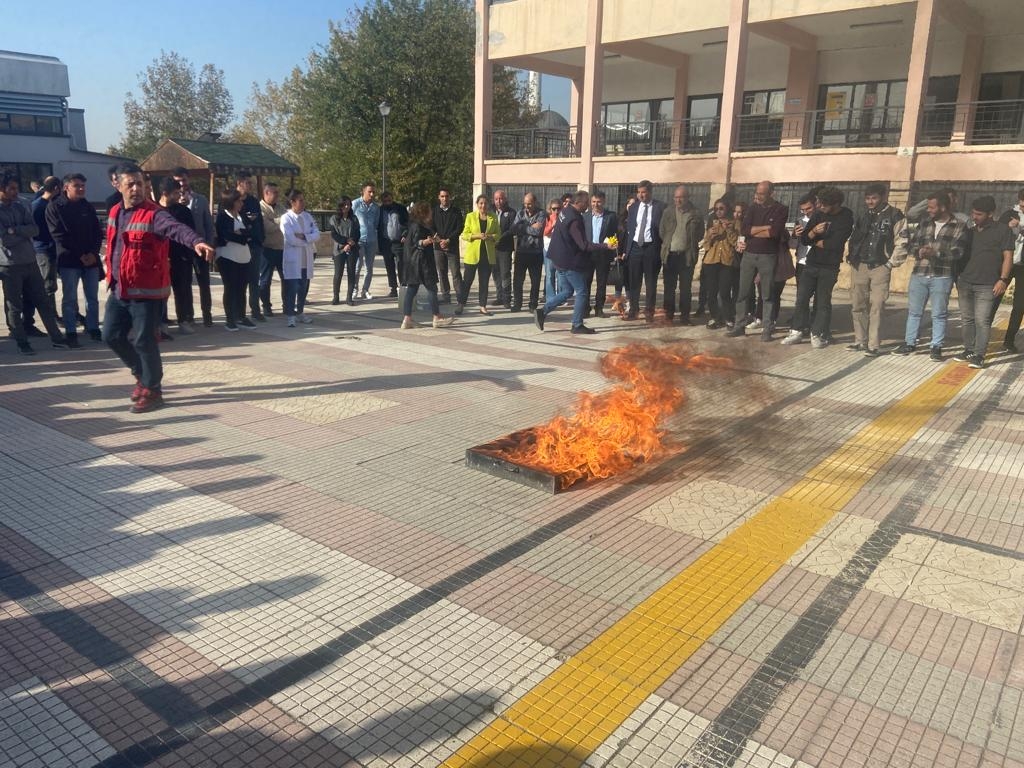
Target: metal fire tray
{"points": [[488, 458]]}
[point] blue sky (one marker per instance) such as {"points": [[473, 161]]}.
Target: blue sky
{"points": [[107, 44], [105, 47]]}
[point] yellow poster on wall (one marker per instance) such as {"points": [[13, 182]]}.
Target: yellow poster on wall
{"points": [[835, 103]]}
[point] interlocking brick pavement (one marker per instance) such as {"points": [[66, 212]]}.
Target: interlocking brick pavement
{"points": [[290, 564]]}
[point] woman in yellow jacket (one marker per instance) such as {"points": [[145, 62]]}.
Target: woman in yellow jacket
{"points": [[480, 233]]}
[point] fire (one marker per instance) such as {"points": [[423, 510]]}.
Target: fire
{"points": [[612, 431]]}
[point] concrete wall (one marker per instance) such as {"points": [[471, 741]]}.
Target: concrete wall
{"points": [[25, 73], [56, 151]]}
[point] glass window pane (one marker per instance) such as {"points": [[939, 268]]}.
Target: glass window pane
{"points": [[617, 114], [777, 103], [665, 109], [704, 107], [25, 123], [639, 112]]}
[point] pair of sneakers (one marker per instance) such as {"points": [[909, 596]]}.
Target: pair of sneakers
{"points": [[299, 318], [973, 360]]}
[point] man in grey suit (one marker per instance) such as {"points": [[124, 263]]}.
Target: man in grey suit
{"points": [[598, 225]]}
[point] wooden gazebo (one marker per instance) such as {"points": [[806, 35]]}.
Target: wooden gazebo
{"points": [[214, 159]]}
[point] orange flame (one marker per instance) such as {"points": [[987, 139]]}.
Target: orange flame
{"points": [[612, 431]]}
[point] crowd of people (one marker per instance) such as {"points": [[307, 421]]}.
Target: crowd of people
{"points": [[747, 253]]}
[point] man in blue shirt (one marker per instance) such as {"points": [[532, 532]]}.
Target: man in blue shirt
{"points": [[368, 213]]}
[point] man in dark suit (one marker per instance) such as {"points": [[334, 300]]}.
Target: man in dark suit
{"points": [[506, 216], [598, 225], [643, 250]]}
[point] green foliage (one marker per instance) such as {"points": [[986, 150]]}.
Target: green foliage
{"points": [[177, 102], [415, 54]]}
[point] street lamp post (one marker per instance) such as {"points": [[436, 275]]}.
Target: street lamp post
{"points": [[385, 110]]}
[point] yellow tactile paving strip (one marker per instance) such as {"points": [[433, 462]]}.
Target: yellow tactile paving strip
{"points": [[563, 719]]}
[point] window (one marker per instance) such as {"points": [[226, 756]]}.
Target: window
{"points": [[703, 123], [859, 114], [32, 124], [27, 172], [760, 123], [636, 127], [999, 116]]}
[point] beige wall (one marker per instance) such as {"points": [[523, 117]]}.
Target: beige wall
{"points": [[767, 10], [632, 20], [537, 26]]}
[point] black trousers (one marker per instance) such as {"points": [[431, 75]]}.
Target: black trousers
{"points": [[201, 269], [19, 280], [677, 273], [526, 263], [599, 268], [235, 277], [718, 281], [1017, 312], [644, 265], [392, 253], [469, 275], [816, 282], [181, 287], [48, 269]]}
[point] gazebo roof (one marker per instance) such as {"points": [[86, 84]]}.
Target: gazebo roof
{"points": [[218, 157]]}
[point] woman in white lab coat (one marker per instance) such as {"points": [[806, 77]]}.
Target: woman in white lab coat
{"points": [[300, 236]]}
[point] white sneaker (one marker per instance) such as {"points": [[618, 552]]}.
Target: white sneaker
{"points": [[367, 295], [407, 324], [185, 327], [305, 320], [818, 342], [754, 325], [793, 337], [291, 321]]}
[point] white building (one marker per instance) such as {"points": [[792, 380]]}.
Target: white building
{"points": [[39, 135]]}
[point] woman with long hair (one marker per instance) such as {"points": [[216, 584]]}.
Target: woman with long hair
{"points": [[719, 246], [420, 269], [345, 233], [233, 257], [480, 233], [300, 235]]}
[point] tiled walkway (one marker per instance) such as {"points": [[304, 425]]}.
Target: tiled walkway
{"points": [[291, 565]]}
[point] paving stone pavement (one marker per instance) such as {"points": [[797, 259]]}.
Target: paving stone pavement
{"points": [[292, 565]]}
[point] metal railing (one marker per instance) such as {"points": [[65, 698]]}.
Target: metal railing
{"points": [[863, 127], [530, 143], [759, 132], [659, 137], [975, 123]]}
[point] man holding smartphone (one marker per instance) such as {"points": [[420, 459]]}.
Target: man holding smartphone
{"points": [[826, 233]]}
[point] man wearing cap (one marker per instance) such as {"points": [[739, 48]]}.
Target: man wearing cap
{"points": [[983, 279]]}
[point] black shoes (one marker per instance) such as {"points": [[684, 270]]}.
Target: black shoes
{"points": [[976, 361], [72, 341], [582, 329], [905, 349], [963, 357], [538, 318], [935, 354]]}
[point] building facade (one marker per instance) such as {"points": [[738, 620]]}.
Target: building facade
{"points": [[39, 135], [916, 94]]}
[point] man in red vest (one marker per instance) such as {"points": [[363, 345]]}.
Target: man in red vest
{"points": [[139, 280]]}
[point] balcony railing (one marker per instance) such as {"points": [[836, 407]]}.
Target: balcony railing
{"points": [[975, 123], [659, 137], [529, 143]]}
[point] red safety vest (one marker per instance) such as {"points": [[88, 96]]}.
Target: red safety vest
{"points": [[144, 271]]}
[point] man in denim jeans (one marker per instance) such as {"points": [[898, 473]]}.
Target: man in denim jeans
{"points": [[984, 279], [937, 246]]}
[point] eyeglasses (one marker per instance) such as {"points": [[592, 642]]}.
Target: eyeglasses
{"points": [[554, 210]]}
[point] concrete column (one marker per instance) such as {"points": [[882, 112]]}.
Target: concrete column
{"points": [[679, 99], [575, 109], [482, 96], [590, 111], [917, 77], [801, 84], [967, 94], [732, 85]]}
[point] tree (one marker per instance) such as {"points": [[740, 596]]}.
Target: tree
{"points": [[176, 101], [418, 56]]}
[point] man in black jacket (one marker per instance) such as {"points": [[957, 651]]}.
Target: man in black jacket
{"points": [[571, 253], [827, 232], [506, 216], [75, 229], [529, 232], [394, 223], [448, 223], [871, 246], [599, 225], [252, 215], [643, 249]]}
